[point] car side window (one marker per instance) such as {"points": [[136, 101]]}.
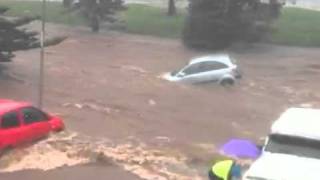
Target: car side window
{"points": [[10, 120], [193, 69], [33, 115], [210, 66]]}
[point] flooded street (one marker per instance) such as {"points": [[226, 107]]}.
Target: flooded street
{"points": [[125, 122], [83, 172], [161, 104], [71, 149]]}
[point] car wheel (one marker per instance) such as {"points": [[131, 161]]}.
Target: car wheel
{"points": [[227, 82]]}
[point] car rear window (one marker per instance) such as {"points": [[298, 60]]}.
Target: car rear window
{"points": [[32, 115], [10, 120]]}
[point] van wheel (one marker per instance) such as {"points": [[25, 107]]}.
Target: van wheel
{"points": [[227, 82]]}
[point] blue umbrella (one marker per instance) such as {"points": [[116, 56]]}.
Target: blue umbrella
{"points": [[241, 148]]}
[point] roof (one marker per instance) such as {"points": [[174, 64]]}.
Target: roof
{"points": [[223, 58], [300, 122], [8, 105]]}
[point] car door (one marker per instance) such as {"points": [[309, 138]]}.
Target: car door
{"points": [[193, 73], [214, 70], [12, 133], [36, 121]]}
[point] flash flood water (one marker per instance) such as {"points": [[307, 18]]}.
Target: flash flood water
{"points": [[71, 149]]}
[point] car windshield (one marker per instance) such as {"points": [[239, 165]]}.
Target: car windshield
{"points": [[294, 145]]}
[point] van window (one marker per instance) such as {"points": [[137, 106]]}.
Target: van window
{"points": [[297, 146], [10, 120], [32, 115]]}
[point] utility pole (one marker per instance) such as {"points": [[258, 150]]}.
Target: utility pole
{"points": [[42, 53]]}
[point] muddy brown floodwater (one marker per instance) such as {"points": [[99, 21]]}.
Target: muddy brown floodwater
{"points": [[70, 149], [107, 89]]}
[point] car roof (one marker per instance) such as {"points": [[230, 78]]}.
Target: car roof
{"points": [[223, 58], [298, 122], [7, 105]]}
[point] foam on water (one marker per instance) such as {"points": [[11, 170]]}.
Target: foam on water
{"points": [[70, 149]]}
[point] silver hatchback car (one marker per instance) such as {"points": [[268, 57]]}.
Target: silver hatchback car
{"points": [[213, 68]]}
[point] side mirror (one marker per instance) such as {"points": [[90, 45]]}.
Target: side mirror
{"points": [[181, 74]]}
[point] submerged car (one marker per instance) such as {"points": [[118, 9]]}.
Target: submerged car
{"points": [[292, 150], [219, 68], [21, 123]]}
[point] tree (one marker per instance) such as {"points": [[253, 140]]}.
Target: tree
{"points": [[67, 3], [96, 11], [14, 37], [172, 10], [218, 23]]}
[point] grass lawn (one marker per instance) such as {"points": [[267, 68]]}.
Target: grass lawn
{"points": [[299, 27], [296, 26], [148, 20], [56, 12]]}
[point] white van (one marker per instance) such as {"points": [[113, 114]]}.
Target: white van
{"points": [[292, 150]]}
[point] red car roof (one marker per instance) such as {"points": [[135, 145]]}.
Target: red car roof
{"points": [[9, 105]]}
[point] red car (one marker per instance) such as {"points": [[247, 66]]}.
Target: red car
{"points": [[21, 123]]}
